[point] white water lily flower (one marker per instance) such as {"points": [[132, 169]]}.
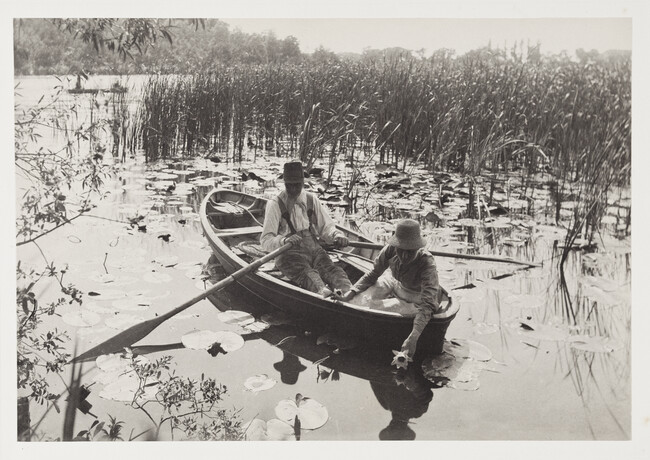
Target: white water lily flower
{"points": [[401, 359], [311, 413], [83, 318], [259, 382], [240, 318]]}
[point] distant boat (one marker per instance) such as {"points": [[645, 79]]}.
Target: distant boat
{"points": [[116, 88]]}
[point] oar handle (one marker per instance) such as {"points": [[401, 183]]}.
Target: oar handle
{"points": [[226, 281], [367, 245]]}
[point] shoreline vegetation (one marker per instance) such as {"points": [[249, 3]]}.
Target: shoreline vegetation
{"points": [[477, 126]]}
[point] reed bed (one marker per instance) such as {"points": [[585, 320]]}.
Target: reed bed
{"points": [[488, 112]]}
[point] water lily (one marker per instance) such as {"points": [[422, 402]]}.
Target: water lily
{"points": [[401, 359]]}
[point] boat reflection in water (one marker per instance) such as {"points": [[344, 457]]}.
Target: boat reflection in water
{"points": [[405, 393]]}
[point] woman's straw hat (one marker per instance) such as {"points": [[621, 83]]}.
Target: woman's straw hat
{"points": [[407, 235]]}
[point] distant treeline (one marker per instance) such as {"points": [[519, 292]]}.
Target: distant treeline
{"points": [[42, 48]]}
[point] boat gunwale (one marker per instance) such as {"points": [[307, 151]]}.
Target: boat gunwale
{"points": [[304, 296]]}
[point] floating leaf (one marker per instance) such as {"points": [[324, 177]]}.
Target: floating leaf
{"points": [[535, 331], [463, 348], [112, 362], [82, 318], [107, 294], [485, 328], [526, 300], [310, 413], [452, 371], [257, 326], [166, 261], [199, 340], [278, 318], [194, 273], [603, 298], [132, 304], [340, 342], [203, 340], [157, 278], [259, 382], [121, 322], [240, 318], [596, 344], [202, 285], [273, 430], [229, 341], [101, 277]]}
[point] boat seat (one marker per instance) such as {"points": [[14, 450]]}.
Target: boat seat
{"points": [[239, 231]]}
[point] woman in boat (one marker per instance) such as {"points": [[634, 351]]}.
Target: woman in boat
{"points": [[413, 278], [299, 218]]}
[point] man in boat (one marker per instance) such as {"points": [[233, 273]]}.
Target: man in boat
{"points": [[413, 278], [299, 218]]}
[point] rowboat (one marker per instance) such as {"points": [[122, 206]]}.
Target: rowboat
{"points": [[232, 224]]}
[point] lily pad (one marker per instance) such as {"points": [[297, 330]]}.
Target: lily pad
{"points": [[311, 413], [273, 430], [453, 372], [82, 318], [157, 278], [199, 340], [166, 261], [341, 343], [240, 318], [485, 328], [203, 340], [596, 344], [526, 300], [257, 326], [259, 382], [132, 304], [107, 294], [535, 331], [122, 322], [101, 277], [463, 348]]}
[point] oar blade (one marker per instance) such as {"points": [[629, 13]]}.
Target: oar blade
{"points": [[117, 343]]}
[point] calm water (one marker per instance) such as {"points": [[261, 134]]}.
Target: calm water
{"points": [[535, 386]]}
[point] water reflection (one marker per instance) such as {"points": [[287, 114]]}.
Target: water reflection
{"points": [[405, 394]]}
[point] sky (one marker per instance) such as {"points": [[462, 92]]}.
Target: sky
{"points": [[462, 35]]}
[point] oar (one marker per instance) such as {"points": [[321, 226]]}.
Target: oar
{"points": [[135, 333], [366, 245]]}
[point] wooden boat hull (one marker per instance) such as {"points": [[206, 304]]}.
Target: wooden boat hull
{"points": [[372, 327]]}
